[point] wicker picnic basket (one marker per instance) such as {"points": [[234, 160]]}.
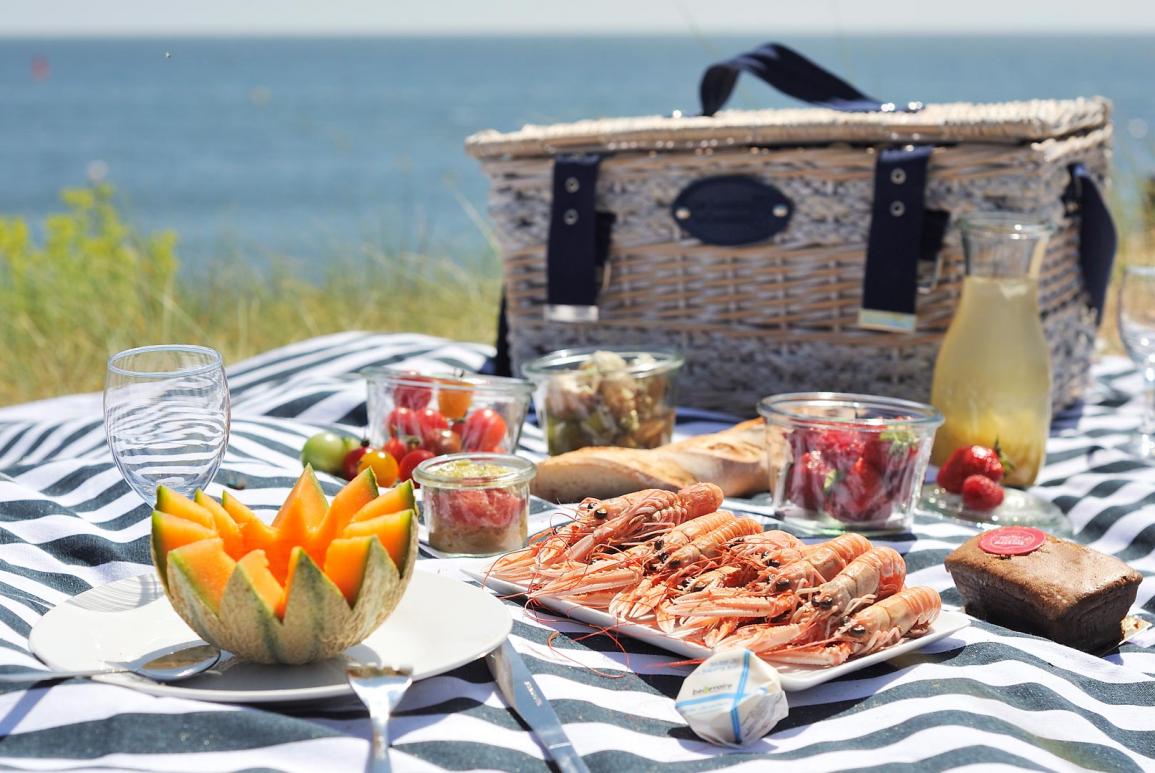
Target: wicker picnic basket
{"points": [[760, 309]]}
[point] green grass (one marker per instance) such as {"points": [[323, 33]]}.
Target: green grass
{"points": [[89, 286]]}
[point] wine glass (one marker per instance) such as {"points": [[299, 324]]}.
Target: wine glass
{"points": [[166, 414], [1137, 329]]}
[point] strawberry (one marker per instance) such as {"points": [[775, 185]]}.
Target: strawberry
{"points": [[981, 493], [859, 495], [809, 479], [968, 461]]}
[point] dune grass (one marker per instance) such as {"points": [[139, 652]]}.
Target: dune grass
{"points": [[89, 285]]}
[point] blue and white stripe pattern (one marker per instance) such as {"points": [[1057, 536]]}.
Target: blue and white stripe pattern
{"points": [[982, 698]]}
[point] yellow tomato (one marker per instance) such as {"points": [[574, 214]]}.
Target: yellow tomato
{"points": [[453, 399], [384, 466]]}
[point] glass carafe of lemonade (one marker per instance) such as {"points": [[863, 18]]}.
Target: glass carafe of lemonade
{"points": [[992, 378]]}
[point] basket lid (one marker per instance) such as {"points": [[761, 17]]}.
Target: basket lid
{"points": [[1001, 122]]}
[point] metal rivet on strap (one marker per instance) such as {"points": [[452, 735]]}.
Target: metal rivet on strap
{"points": [[780, 210], [897, 208], [570, 217], [682, 213], [897, 176], [572, 185]]}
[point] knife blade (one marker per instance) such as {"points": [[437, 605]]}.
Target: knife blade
{"points": [[526, 699]]}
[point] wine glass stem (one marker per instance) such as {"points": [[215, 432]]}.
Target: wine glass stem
{"points": [[1147, 426]]}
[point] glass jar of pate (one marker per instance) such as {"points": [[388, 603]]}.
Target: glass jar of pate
{"points": [[476, 504]]}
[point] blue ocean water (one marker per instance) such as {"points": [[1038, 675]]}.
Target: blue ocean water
{"points": [[313, 148]]}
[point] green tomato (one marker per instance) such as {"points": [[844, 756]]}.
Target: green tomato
{"points": [[351, 443], [325, 451]]}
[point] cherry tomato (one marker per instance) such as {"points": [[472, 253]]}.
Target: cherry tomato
{"points": [[484, 431], [413, 395], [403, 423], [411, 460], [382, 463], [353, 460], [431, 423], [453, 398], [397, 448], [445, 442]]}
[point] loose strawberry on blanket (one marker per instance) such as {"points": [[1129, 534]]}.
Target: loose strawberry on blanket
{"points": [[981, 493], [968, 461]]}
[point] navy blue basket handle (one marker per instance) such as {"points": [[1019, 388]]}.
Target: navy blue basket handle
{"points": [[791, 73]]}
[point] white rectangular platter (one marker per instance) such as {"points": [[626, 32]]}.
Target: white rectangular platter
{"points": [[794, 678]]}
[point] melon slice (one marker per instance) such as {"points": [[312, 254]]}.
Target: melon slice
{"points": [[349, 500], [273, 602], [393, 531], [224, 524], [393, 501], [170, 532], [169, 501]]}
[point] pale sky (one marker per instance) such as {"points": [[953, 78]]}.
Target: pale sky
{"points": [[752, 17]]}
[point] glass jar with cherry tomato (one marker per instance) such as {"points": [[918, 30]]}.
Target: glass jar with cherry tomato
{"points": [[475, 504], [444, 413]]}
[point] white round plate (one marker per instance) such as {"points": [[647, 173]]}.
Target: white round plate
{"points": [[440, 624]]}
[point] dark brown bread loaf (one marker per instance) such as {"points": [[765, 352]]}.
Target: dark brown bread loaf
{"points": [[1061, 590]]}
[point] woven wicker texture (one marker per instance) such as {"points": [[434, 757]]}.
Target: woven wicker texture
{"points": [[781, 315]]}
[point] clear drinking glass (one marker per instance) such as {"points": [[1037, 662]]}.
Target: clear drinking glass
{"points": [[166, 414], [1137, 329]]}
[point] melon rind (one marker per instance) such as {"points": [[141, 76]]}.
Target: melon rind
{"points": [[318, 621]]}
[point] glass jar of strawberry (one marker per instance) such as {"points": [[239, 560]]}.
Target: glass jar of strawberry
{"points": [[475, 504]]}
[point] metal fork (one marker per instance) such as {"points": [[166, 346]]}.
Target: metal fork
{"points": [[380, 688]]}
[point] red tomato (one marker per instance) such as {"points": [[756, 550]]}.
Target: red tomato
{"points": [[484, 431], [397, 448], [413, 395], [411, 460], [352, 460], [403, 423], [431, 423], [445, 442]]}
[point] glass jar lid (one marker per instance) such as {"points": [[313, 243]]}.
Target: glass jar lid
{"points": [[474, 470], [639, 362]]}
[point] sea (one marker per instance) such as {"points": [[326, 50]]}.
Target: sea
{"points": [[309, 149]]}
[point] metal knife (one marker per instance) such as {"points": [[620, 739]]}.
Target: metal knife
{"points": [[525, 698]]}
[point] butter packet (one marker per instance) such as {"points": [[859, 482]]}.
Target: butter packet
{"points": [[732, 699]]}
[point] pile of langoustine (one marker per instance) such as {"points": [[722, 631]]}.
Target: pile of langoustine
{"points": [[675, 561]]}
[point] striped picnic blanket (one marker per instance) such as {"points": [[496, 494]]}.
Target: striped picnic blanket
{"points": [[982, 697]]}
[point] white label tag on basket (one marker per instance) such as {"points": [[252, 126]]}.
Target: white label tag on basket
{"points": [[890, 321], [560, 312]]}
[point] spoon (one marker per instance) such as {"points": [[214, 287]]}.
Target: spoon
{"points": [[169, 667], [380, 688]]}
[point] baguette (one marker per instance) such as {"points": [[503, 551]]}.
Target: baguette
{"points": [[735, 459]]}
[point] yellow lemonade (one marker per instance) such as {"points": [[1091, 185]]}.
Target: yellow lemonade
{"points": [[992, 378]]}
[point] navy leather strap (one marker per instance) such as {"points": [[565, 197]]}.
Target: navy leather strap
{"points": [[1097, 236], [791, 73], [896, 240], [572, 254]]}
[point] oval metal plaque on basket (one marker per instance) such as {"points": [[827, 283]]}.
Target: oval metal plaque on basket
{"points": [[731, 210]]}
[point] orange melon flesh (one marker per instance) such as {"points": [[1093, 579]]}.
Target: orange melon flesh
{"points": [[392, 501], [239, 512], [393, 531], [349, 500], [255, 567], [303, 511], [345, 562], [207, 567], [170, 532], [169, 501], [226, 527]]}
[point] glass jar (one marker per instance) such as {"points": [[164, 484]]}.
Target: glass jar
{"points": [[605, 396], [446, 413], [476, 504], [841, 462]]}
